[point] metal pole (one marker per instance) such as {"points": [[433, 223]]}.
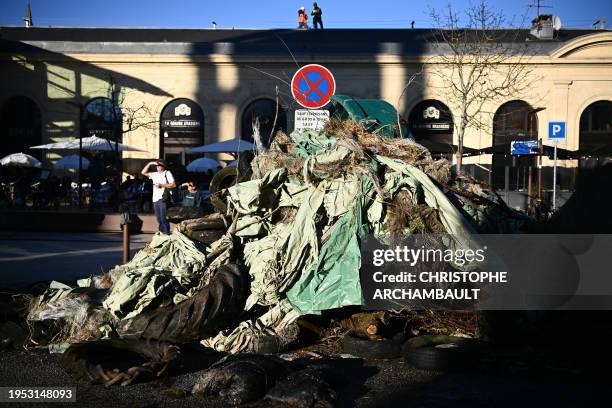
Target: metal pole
{"points": [[529, 192], [540, 147], [507, 183], [126, 243], [554, 203], [80, 166]]}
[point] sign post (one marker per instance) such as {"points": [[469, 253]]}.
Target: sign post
{"points": [[556, 133]]}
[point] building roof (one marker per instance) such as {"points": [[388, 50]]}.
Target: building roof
{"points": [[332, 42]]}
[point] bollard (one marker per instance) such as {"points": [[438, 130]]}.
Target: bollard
{"points": [[126, 219]]}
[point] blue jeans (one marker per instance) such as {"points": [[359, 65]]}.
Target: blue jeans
{"points": [[160, 213]]}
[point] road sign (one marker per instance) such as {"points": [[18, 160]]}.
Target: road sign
{"points": [[312, 86], [556, 130], [313, 119], [518, 147]]}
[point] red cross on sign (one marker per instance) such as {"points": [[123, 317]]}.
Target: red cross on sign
{"points": [[312, 86]]}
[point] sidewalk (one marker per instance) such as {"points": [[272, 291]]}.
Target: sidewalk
{"points": [[30, 257]]}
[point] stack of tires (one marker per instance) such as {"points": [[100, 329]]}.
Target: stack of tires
{"points": [[428, 352]]}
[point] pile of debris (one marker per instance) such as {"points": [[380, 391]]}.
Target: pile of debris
{"points": [[288, 246]]}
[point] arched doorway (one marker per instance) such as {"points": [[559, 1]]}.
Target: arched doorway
{"points": [[20, 126], [182, 127], [513, 121], [266, 110], [432, 120], [596, 134]]}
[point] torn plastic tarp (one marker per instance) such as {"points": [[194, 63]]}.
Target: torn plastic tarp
{"points": [[171, 264], [256, 196], [310, 142], [419, 184], [293, 249], [241, 338], [253, 201], [333, 280]]}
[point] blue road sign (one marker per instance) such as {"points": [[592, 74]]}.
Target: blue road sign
{"points": [[556, 130], [519, 147]]}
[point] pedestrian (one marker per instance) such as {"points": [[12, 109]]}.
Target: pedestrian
{"points": [[302, 18], [163, 182], [193, 197], [316, 15]]}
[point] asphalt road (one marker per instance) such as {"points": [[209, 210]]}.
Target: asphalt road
{"points": [[30, 257], [520, 377], [357, 382]]}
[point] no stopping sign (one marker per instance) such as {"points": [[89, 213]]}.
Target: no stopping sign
{"points": [[312, 86]]}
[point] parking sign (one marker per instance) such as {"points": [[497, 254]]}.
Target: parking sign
{"points": [[556, 130]]}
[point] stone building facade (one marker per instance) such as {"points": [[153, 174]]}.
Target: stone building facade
{"points": [[164, 90]]}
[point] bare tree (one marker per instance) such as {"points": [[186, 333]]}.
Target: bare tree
{"points": [[134, 116], [479, 62]]}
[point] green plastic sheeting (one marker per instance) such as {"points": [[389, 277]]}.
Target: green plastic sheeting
{"points": [[333, 280], [309, 142]]}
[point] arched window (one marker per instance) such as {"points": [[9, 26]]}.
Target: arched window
{"points": [[513, 121], [20, 126], [182, 127], [432, 120], [596, 125], [103, 118], [596, 133], [266, 111]]}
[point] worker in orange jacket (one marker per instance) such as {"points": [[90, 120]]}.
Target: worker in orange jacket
{"points": [[302, 18]]}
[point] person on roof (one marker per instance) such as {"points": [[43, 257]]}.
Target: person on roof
{"points": [[302, 18], [316, 14]]}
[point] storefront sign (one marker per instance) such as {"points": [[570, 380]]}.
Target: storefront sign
{"points": [[430, 117], [182, 115]]}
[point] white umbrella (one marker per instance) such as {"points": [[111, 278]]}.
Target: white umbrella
{"points": [[71, 162], [20, 160], [203, 165], [91, 143], [236, 145]]}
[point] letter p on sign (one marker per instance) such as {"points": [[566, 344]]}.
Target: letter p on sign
{"points": [[556, 130]]}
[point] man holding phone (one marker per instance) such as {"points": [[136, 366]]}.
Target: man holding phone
{"points": [[162, 180]]}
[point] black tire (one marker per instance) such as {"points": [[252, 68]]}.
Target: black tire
{"points": [[178, 213], [441, 353], [220, 181], [209, 222], [354, 344], [216, 306], [206, 236]]}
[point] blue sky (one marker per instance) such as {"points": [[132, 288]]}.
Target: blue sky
{"points": [[274, 14]]}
